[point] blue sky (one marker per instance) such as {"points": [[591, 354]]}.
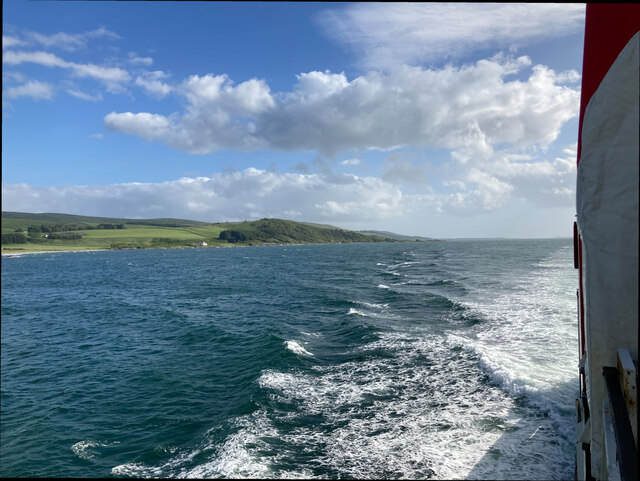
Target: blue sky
{"points": [[442, 120]]}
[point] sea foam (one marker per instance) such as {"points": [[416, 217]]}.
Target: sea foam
{"points": [[296, 348]]}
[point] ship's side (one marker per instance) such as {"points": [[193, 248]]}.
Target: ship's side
{"points": [[606, 244]]}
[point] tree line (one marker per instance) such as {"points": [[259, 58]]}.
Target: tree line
{"points": [[14, 238], [50, 228]]}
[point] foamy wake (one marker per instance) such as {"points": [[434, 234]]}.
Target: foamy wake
{"points": [[432, 428], [398, 417], [383, 286], [140, 470], [296, 348]]}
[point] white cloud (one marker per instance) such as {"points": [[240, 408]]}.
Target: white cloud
{"points": [[112, 77], [152, 83], [10, 42], [102, 33], [136, 60], [68, 41], [61, 40], [468, 109], [218, 115], [478, 190], [351, 162], [8, 76], [251, 193], [209, 92], [147, 126], [390, 34], [41, 58], [33, 88], [85, 96]]}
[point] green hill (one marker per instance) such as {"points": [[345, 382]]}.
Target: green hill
{"points": [[26, 232], [14, 220], [285, 232]]}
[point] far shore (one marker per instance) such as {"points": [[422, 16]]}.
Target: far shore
{"points": [[23, 253]]}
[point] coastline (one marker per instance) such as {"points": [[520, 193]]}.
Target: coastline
{"points": [[20, 254]]}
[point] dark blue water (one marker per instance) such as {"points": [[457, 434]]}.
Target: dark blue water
{"points": [[450, 359]]}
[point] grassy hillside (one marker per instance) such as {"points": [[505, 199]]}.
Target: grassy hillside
{"points": [[24, 232], [286, 231], [21, 220]]}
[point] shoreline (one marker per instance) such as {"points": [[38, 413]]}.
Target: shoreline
{"points": [[20, 254]]}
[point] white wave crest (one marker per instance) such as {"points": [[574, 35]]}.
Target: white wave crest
{"points": [[373, 305], [87, 449], [357, 312], [296, 348]]}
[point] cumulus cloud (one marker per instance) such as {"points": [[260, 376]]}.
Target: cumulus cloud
{"points": [[467, 109], [33, 88], [546, 183], [218, 115], [385, 35]]}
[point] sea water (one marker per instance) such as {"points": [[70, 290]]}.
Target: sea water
{"points": [[446, 360]]}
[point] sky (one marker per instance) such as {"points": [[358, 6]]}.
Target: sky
{"points": [[435, 119]]}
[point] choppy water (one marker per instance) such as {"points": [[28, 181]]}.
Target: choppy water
{"points": [[444, 360]]}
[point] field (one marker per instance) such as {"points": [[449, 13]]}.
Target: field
{"points": [[134, 236], [96, 233]]}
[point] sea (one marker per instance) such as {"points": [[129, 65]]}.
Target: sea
{"points": [[452, 359]]}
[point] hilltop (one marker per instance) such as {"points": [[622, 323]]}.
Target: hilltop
{"points": [[27, 232]]}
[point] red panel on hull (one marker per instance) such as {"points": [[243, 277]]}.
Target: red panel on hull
{"points": [[608, 29]]}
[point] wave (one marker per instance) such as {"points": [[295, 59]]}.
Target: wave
{"points": [[517, 382], [383, 286], [296, 348], [372, 305], [357, 312], [420, 411], [89, 449], [390, 273]]}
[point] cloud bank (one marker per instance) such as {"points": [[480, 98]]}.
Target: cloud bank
{"points": [[342, 199]]}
